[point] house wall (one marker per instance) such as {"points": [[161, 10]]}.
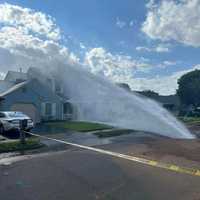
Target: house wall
{"points": [[36, 94]]}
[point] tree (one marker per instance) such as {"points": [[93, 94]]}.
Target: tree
{"points": [[124, 86], [150, 94], [189, 88]]}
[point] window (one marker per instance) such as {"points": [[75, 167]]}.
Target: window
{"points": [[67, 108], [48, 109], [16, 114], [24, 89], [58, 88]]}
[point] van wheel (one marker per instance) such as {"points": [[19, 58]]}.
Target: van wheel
{"points": [[1, 129]]}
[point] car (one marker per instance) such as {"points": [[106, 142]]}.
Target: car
{"points": [[11, 121]]}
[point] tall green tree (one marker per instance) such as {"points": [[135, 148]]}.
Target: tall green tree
{"points": [[189, 88]]}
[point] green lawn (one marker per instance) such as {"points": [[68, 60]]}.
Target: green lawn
{"points": [[31, 143], [113, 133], [79, 126], [190, 120]]}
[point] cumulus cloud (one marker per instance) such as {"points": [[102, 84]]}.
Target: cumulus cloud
{"points": [[167, 63], [161, 48], [174, 20], [120, 24], [24, 44], [2, 75], [131, 23], [113, 66], [29, 21], [164, 85], [121, 68], [21, 44]]}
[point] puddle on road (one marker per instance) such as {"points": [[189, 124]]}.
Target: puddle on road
{"points": [[89, 139]]}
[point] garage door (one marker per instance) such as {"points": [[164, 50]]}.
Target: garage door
{"points": [[28, 109]]}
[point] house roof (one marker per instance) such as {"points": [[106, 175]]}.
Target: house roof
{"points": [[170, 99], [5, 85], [13, 76], [13, 88]]}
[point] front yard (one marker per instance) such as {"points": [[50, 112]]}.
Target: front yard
{"points": [[100, 130], [79, 126], [15, 145], [190, 120]]}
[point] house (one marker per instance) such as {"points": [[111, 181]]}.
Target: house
{"points": [[40, 97], [170, 102]]}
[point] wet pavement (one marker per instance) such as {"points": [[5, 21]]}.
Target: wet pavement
{"points": [[82, 174], [90, 139], [85, 175]]}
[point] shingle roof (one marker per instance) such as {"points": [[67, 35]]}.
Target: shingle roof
{"points": [[12, 76], [13, 88], [5, 85]]}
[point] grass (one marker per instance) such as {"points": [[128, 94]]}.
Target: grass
{"points": [[79, 126], [190, 120], [113, 133], [31, 143]]}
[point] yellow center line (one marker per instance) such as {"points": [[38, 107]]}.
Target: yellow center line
{"points": [[175, 168]]}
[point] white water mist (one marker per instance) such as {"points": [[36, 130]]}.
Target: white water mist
{"points": [[99, 100]]}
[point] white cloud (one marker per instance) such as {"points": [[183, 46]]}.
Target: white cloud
{"points": [[112, 66], [20, 41], [131, 23], [174, 20], [143, 48], [2, 75], [20, 48], [82, 46], [120, 24], [151, 4], [164, 85], [29, 21], [167, 62], [121, 68], [161, 48]]}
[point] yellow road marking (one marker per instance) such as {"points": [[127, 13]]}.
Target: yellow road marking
{"points": [[175, 168], [153, 163]]}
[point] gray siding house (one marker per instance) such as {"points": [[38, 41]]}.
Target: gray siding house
{"points": [[40, 97]]}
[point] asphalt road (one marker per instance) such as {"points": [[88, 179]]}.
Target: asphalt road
{"points": [[84, 175]]}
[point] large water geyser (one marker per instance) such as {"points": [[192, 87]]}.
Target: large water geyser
{"points": [[99, 100]]}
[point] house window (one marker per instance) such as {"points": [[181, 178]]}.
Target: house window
{"points": [[67, 108], [58, 88], [24, 89], [48, 109]]}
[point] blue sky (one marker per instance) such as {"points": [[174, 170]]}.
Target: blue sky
{"points": [[99, 32]]}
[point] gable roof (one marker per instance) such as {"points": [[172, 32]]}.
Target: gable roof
{"points": [[5, 85], [13, 76], [13, 88], [37, 87]]}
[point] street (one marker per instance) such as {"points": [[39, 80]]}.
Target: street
{"points": [[82, 174]]}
